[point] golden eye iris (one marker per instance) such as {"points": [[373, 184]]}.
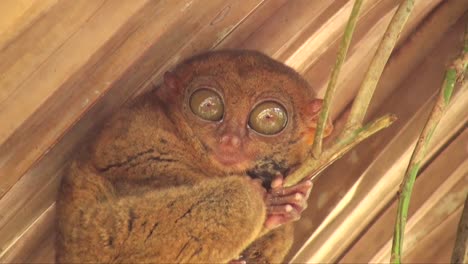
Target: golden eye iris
{"points": [[207, 104], [268, 118]]}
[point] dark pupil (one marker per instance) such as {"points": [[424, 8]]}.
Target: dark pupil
{"points": [[208, 106], [270, 116]]}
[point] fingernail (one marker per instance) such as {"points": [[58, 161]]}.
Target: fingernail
{"points": [[275, 183], [288, 208], [298, 197]]}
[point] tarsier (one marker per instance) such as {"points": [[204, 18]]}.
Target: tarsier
{"points": [[193, 170]]}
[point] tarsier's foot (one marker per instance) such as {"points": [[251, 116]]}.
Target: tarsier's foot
{"points": [[285, 204]]}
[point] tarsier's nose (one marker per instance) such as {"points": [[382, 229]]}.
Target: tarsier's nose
{"points": [[230, 135], [230, 141]]}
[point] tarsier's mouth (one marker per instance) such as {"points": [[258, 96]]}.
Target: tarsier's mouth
{"points": [[266, 170], [232, 159], [230, 164], [229, 159]]}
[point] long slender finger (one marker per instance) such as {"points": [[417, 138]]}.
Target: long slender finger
{"points": [[295, 198], [299, 204], [274, 221], [303, 188], [277, 182], [280, 209], [294, 216]]}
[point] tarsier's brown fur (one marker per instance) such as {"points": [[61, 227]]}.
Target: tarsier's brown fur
{"points": [[150, 189]]}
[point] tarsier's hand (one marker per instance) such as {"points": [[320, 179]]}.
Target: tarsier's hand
{"points": [[285, 204], [239, 260]]}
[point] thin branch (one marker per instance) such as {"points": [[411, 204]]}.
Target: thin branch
{"points": [[460, 250], [311, 168], [465, 48], [362, 100], [347, 37], [453, 75]]}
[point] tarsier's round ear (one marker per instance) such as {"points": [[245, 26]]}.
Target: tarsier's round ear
{"points": [[171, 81], [171, 88], [313, 112], [328, 128], [314, 107]]}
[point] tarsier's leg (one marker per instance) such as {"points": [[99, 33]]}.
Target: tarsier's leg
{"points": [[210, 222]]}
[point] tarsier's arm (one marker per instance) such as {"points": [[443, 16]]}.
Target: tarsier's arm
{"points": [[178, 224]]}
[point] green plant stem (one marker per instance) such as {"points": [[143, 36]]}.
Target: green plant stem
{"points": [[460, 250], [465, 48], [453, 75], [347, 37], [384, 50], [312, 167]]}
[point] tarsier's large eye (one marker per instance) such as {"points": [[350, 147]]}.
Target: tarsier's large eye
{"points": [[268, 118], [207, 104]]}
